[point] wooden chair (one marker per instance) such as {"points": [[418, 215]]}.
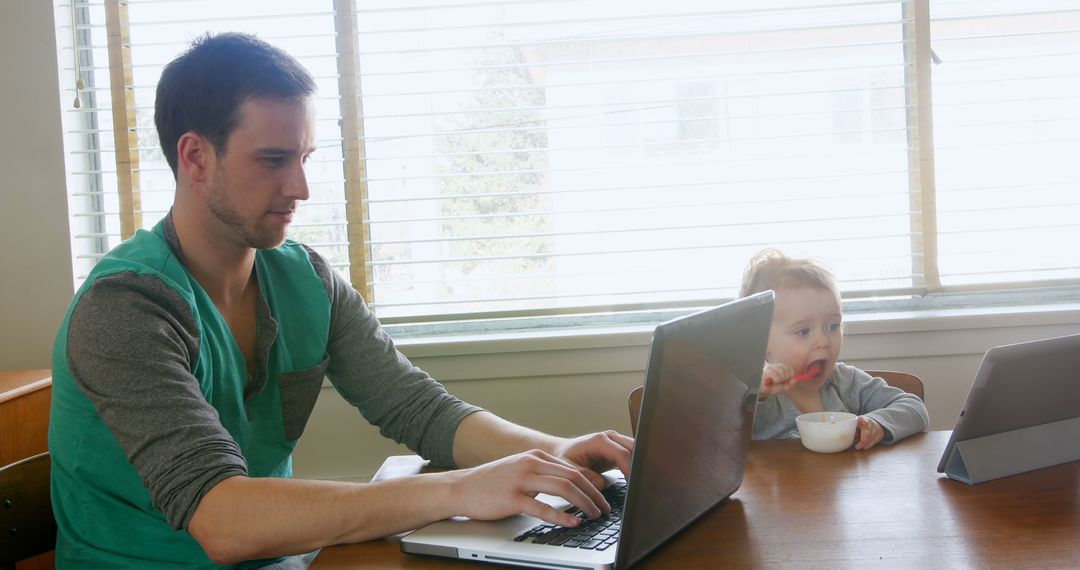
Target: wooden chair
{"points": [[634, 401], [907, 382], [27, 527]]}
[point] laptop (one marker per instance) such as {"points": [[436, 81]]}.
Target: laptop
{"points": [[694, 431], [1021, 413]]}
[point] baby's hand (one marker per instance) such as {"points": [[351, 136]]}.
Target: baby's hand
{"points": [[776, 378], [869, 434]]}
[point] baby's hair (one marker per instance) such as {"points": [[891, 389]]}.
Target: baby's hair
{"points": [[772, 269]]}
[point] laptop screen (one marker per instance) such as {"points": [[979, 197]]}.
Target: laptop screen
{"points": [[696, 420]]}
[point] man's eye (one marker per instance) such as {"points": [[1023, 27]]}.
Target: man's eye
{"points": [[274, 161]]}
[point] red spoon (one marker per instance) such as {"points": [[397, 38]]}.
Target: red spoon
{"points": [[808, 374]]}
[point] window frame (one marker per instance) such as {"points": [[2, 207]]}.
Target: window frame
{"points": [[929, 295]]}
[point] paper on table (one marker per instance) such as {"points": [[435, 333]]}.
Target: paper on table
{"points": [[398, 466]]}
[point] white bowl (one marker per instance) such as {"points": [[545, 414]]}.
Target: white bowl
{"points": [[827, 432]]}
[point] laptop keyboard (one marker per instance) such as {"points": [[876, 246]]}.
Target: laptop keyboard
{"points": [[591, 534]]}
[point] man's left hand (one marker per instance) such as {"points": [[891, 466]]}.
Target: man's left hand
{"points": [[598, 452]]}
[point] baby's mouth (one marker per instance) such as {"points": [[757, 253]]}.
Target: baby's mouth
{"points": [[816, 368], [812, 371]]}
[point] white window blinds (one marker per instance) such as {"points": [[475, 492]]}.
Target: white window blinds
{"points": [[1007, 134], [485, 158], [542, 155], [120, 87]]}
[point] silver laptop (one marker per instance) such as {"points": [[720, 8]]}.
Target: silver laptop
{"points": [[1021, 413], [694, 431]]}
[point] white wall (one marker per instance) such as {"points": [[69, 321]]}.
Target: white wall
{"points": [[577, 383], [561, 383], [35, 269]]}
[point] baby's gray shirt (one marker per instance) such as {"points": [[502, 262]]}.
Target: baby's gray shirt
{"points": [[848, 389]]}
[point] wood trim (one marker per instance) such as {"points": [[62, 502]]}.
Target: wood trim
{"points": [[123, 113], [15, 384], [924, 240], [352, 147]]}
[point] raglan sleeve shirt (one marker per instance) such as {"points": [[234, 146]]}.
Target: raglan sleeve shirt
{"points": [[132, 347], [367, 369]]}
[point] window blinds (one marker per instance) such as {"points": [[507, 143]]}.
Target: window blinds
{"points": [[1007, 114], [549, 155], [487, 158], [118, 106]]}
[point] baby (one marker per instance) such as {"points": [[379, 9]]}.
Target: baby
{"points": [[802, 372]]}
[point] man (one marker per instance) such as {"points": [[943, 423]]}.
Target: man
{"points": [[191, 358]]}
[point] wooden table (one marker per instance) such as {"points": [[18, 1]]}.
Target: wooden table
{"points": [[886, 507]]}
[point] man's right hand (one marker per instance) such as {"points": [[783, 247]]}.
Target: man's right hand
{"points": [[509, 486]]}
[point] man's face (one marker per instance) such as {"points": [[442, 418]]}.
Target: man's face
{"points": [[259, 177], [806, 328]]}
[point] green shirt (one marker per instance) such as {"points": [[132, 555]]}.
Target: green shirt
{"points": [[153, 406]]}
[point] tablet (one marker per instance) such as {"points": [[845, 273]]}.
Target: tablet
{"points": [[1020, 413]]}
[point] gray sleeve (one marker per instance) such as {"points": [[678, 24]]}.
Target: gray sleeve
{"points": [[132, 344], [406, 403], [900, 413]]}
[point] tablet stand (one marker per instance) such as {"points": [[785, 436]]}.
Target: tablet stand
{"points": [[1020, 450]]}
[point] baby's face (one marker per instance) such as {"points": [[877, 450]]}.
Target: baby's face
{"points": [[806, 328]]}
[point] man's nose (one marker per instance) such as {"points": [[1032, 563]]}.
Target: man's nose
{"points": [[297, 185]]}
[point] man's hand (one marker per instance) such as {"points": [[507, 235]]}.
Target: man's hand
{"points": [[509, 486], [595, 453], [512, 464]]}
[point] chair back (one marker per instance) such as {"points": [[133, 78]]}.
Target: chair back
{"points": [[905, 381], [27, 526], [634, 402]]}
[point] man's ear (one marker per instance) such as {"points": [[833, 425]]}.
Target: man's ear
{"points": [[194, 156]]}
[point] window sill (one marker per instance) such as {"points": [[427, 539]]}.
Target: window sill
{"points": [[857, 323]]}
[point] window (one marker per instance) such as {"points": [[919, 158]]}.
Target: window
{"points": [[1006, 124], [536, 157]]}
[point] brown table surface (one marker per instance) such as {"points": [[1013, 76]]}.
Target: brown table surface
{"points": [[886, 507]]}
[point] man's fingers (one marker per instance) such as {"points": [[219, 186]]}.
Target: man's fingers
{"points": [[595, 479], [622, 451], [600, 452], [563, 479], [548, 514], [625, 441], [586, 498]]}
